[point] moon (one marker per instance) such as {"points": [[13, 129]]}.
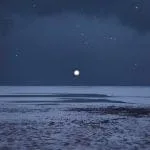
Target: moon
{"points": [[76, 73]]}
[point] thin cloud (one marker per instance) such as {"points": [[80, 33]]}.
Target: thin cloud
{"points": [[132, 13]]}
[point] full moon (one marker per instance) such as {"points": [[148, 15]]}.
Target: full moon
{"points": [[76, 73]]}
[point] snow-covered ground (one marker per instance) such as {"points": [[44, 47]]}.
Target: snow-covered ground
{"points": [[58, 123], [132, 94]]}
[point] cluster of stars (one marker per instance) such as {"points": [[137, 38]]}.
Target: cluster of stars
{"points": [[18, 52], [135, 66], [109, 37], [83, 36]]}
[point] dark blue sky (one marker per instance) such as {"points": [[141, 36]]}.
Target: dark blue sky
{"points": [[43, 41]]}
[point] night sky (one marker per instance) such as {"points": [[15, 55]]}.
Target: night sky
{"points": [[43, 41]]}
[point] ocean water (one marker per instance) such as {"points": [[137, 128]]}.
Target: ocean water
{"points": [[128, 94]]}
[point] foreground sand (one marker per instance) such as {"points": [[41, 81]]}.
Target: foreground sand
{"points": [[84, 126]]}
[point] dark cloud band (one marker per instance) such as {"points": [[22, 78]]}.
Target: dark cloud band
{"points": [[133, 13]]}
